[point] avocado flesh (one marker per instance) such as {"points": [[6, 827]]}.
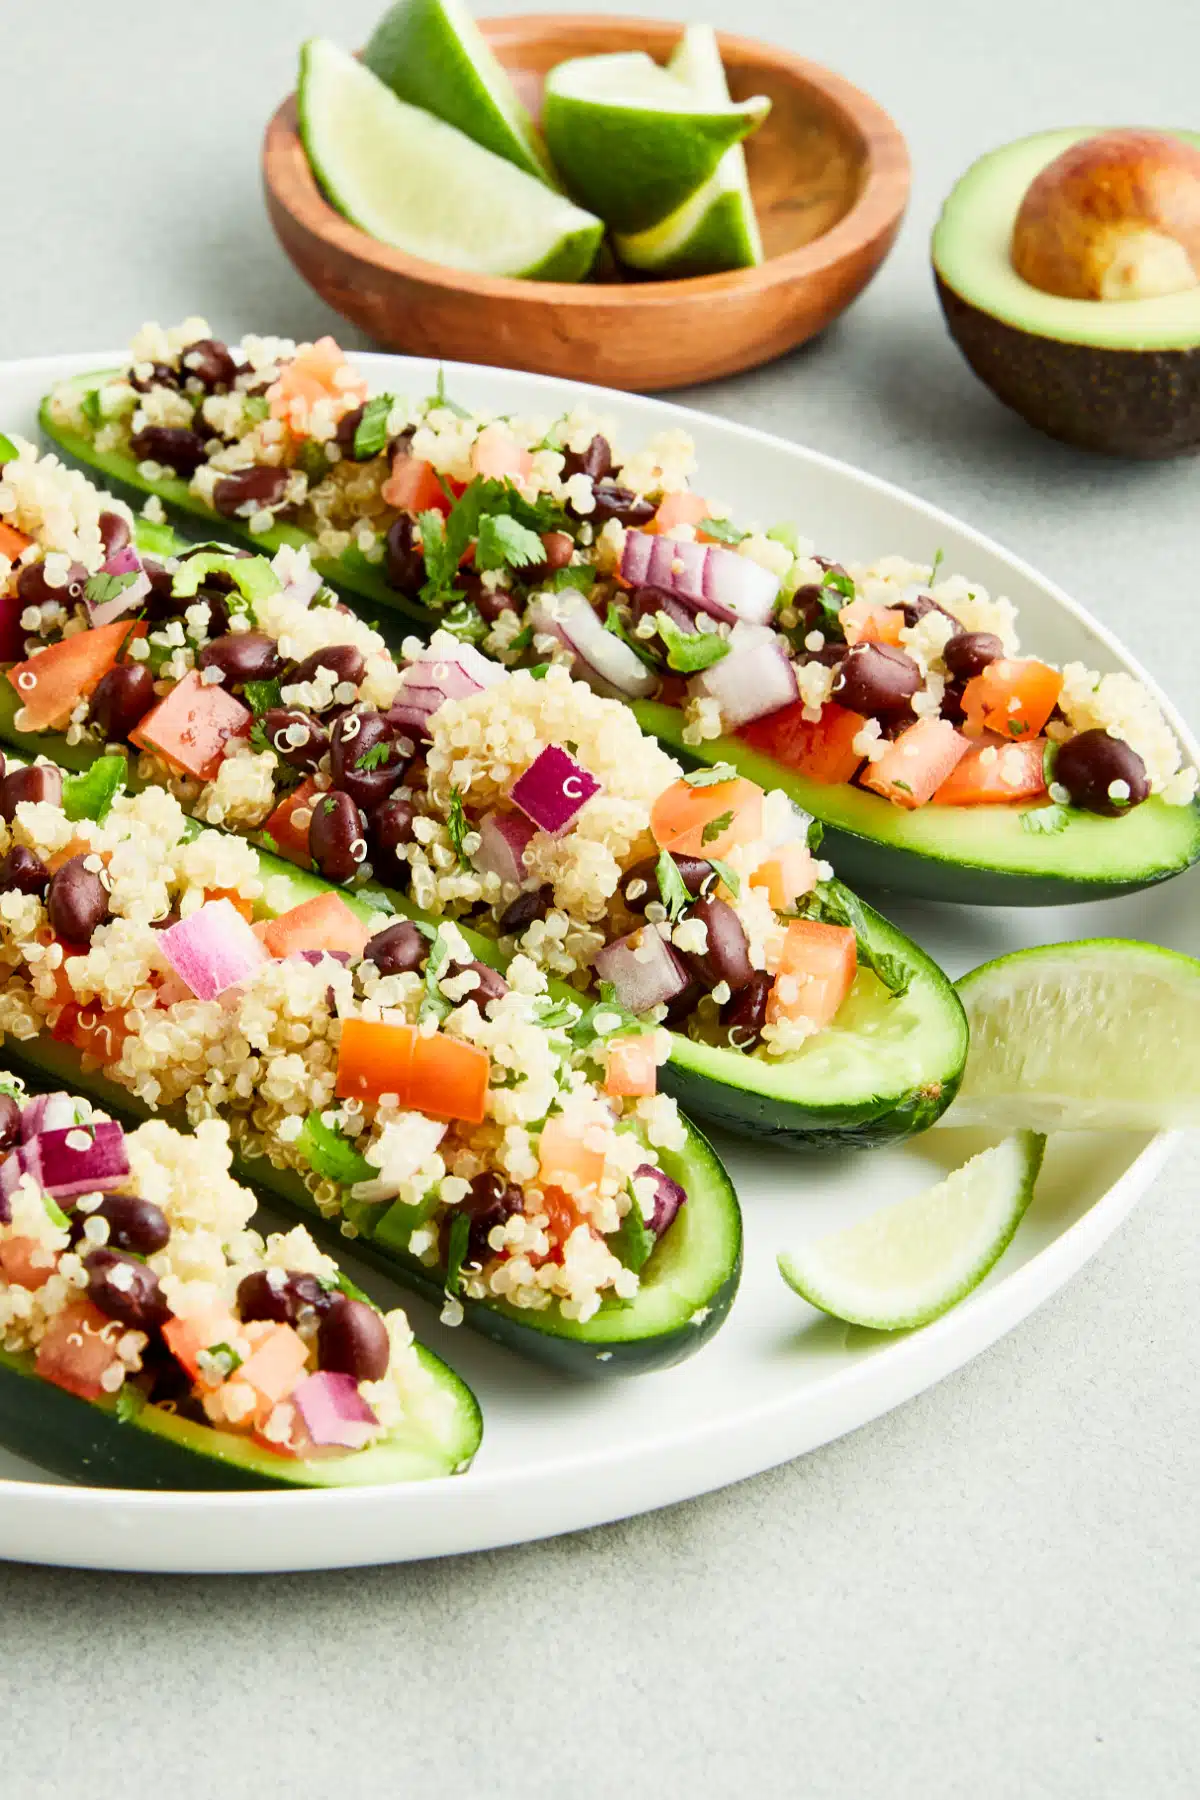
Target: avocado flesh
{"points": [[1117, 376], [970, 855]]}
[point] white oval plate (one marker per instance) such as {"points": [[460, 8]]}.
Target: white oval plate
{"points": [[779, 1379]]}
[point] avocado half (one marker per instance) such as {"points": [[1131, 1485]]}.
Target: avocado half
{"points": [[1118, 376]]}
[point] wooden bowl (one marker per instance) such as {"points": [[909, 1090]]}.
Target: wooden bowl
{"points": [[830, 176]]}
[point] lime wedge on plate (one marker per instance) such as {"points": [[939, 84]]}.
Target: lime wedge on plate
{"points": [[717, 228], [431, 53], [1099, 1035], [412, 181], [909, 1263], [631, 141]]}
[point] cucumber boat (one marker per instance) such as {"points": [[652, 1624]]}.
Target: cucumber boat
{"points": [[375, 1078], [794, 1009], [150, 1339]]}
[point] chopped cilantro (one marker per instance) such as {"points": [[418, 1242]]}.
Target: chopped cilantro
{"points": [[256, 407], [722, 530], [580, 576], [439, 397], [904, 786], [89, 406], [816, 835], [329, 805], [716, 828], [539, 671], [522, 641], [939, 557], [312, 462], [435, 1005], [671, 887], [130, 1401], [90, 796], [456, 1251], [371, 434], [1049, 761], [712, 777], [834, 904], [464, 620], [727, 875], [554, 1014], [442, 556], [1045, 819], [258, 737], [374, 758], [634, 1239], [457, 826], [331, 1154], [99, 588], [787, 535], [505, 543], [840, 582], [615, 623], [608, 1009], [261, 696], [226, 1355], [1018, 727], [690, 651], [55, 1213]]}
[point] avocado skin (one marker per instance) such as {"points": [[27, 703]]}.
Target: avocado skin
{"points": [[1135, 403]]}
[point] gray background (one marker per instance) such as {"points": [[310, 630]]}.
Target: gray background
{"points": [[993, 1590]]}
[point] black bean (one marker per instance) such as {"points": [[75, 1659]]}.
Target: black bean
{"points": [[114, 532], [595, 461], [364, 757], [693, 872], [210, 595], [77, 902], [1089, 764], [10, 1122], [391, 824], [491, 602], [344, 436], [134, 1224], [345, 660], [648, 602], [921, 605], [283, 726], [684, 1004], [727, 958], [809, 604], [34, 590], [160, 602], [404, 562], [520, 913], [242, 656], [491, 1202], [952, 702], [178, 449], [398, 949], [745, 1014], [876, 680], [210, 362], [161, 375], [971, 652], [352, 1339], [337, 829], [23, 870], [620, 503], [125, 1289], [38, 781], [281, 1296], [262, 486], [492, 985], [122, 699]]}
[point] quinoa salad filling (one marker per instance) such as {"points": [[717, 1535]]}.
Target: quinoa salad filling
{"points": [[545, 539], [129, 1269], [507, 1139]]}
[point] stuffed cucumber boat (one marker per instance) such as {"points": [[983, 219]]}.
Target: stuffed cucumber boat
{"points": [[150, 1338], [518, 803], [474, 1136], [890, 700]]}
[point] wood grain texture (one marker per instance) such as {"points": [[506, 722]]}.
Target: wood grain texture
{"points": [[830, 176]]}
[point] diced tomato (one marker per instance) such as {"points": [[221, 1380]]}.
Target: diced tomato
{"points": [[1012, 697], [821, 749], [185, 1338], [79, 1346], [291, 840], [864, 623], [374, 1059], [789, 872], [26, 1263], [816, 972], [707, 821], [565, 1160], [684, 508], [562, 1217], [413, 486], [632, 1065], [449, 1078], [917, 763], [995, 772], [320, 372], [93, 1030], [191, 727], [50, 684], [276, 1363], [236, 900], [495, 456], [13, 543], [323, 923]]}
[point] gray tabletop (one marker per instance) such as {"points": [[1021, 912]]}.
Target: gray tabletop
{"points": [[991, 1591]]}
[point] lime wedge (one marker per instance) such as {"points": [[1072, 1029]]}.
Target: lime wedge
{"points": [[717, 228], [631, 141], [412, 181], [909, 1263], [1101, 1034], [431, 53]]}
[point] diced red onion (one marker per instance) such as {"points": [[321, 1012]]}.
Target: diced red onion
{"points": [[504, 839], [213, 949], [553, 789], [755, 679], [608, 664], [124, 561], [668, 1198], [643, 968], [402, 1158], [78, 1159], [298, 579], [334, 1411], [46, 1112], [432, 680], [706, 577], [313, 957], [11, 1170]]}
